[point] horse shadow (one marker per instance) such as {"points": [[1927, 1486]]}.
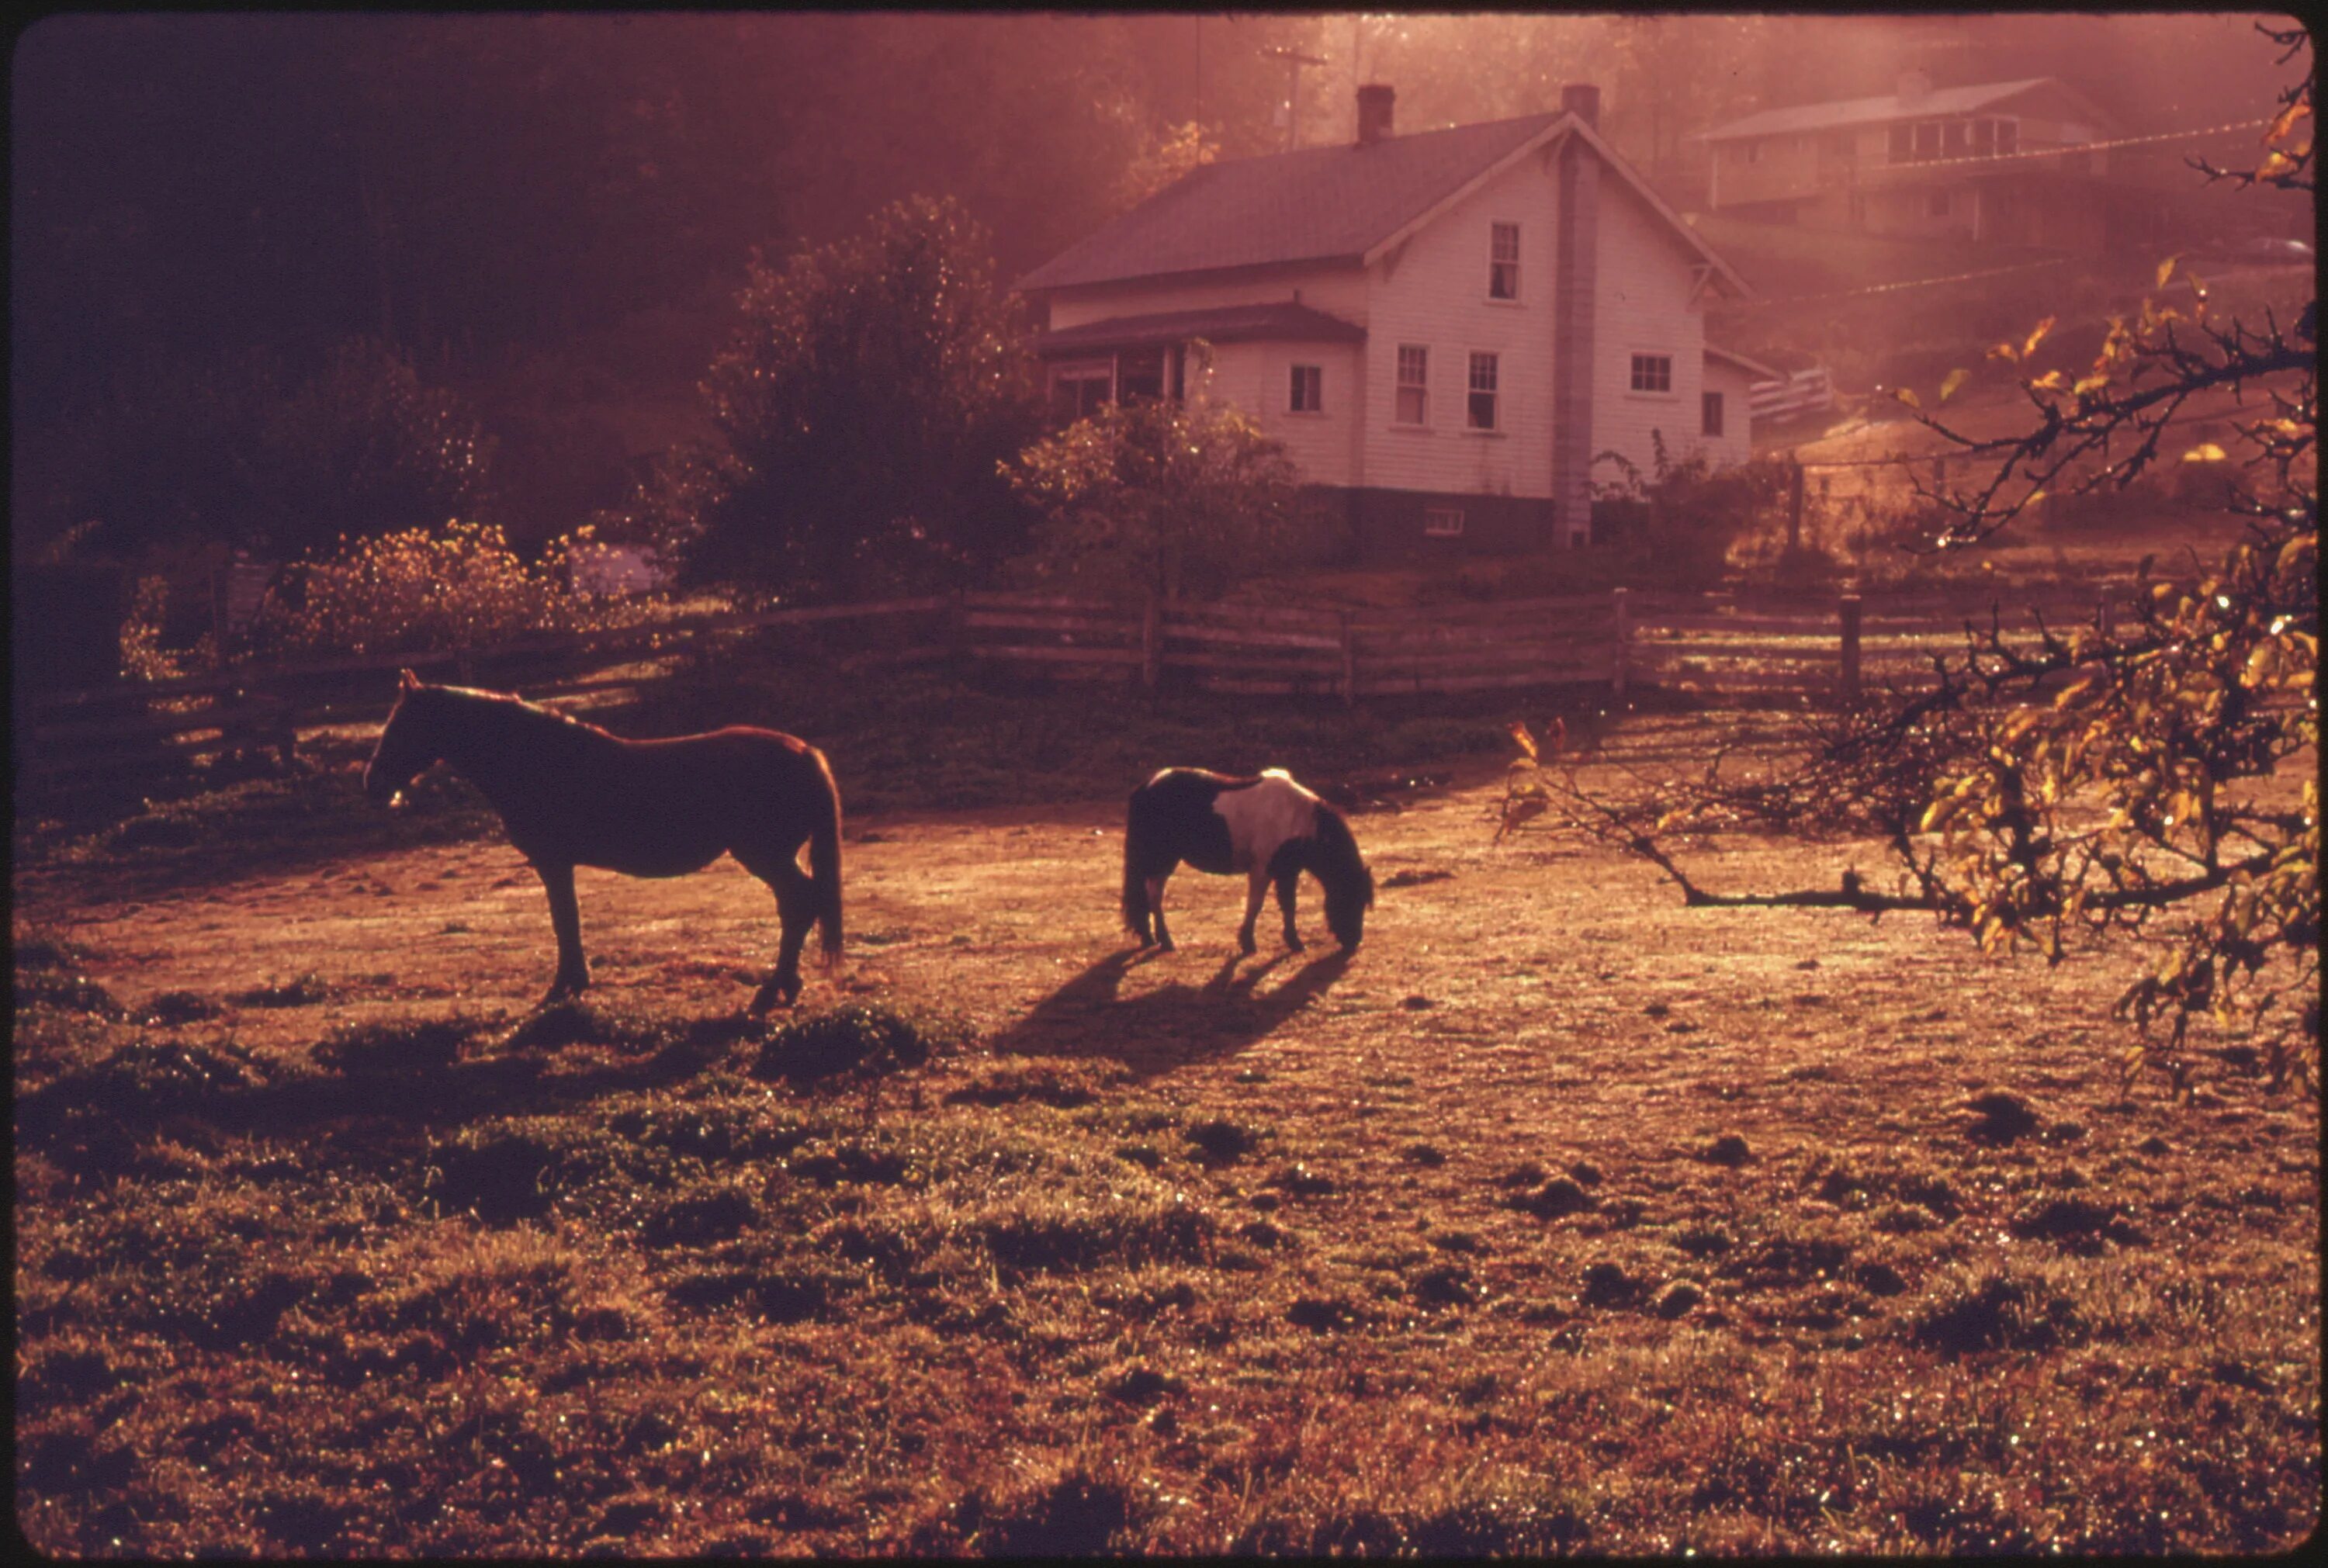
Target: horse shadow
{"points": [[1172, 1025]]}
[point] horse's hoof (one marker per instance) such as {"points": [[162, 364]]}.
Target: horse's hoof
{"points": [[1293, 943], [1163, 944], [1246, 945], [776, 992]]}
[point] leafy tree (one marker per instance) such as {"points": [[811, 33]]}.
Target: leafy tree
{"points": [[1156, 496], [866, 402], [2127, 775]]}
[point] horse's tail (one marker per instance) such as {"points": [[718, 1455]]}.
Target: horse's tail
{"points": [[1136, 832], [825, 866]]}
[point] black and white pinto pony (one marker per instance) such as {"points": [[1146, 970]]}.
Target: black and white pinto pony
{"points": [[1269, 827]]}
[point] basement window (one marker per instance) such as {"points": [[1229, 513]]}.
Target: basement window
{"points": [[1442, 522]]}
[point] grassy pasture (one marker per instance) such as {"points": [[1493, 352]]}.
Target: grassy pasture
{"points": [[1558, 1219]]}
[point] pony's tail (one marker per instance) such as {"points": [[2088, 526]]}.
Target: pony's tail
{"points": [[824, 870], [1135, 886]]}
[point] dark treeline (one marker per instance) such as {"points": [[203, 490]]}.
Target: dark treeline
{"points": [[548, 216]]}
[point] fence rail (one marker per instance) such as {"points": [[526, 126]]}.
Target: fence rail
{"points": [[1712, 643]]}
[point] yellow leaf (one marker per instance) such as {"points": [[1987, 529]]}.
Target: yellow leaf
{"points": [[1954, 378], [2167, 270], [2287, 121], [1908, 396], [2004, 351], [2036, 337], [2274, 164], [2205, 452], [2051, 381], [2093, 383], [1520, 733]]}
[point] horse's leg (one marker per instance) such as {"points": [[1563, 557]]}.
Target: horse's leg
{"points": [[573, 975], [1256, 883], [1288, 881], [796, 906], [1155, 909]]}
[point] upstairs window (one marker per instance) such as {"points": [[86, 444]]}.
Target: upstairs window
{"points": [[1479, 411], [1983, 138], [1709, 406], [1309, 393], [1414, 384], [1953, 139], [1928, 141], [1653, 373], [1900, 146], [1504, 261]]}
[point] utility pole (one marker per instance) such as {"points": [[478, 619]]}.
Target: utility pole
{"points": [[1294, 60]]}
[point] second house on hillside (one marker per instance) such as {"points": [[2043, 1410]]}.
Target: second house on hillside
{"points": [[1446, 330]]}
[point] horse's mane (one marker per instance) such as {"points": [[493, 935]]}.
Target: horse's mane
{"points": [[508, 707]]}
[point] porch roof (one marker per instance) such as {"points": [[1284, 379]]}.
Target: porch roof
{"points": [[1281, 321]]}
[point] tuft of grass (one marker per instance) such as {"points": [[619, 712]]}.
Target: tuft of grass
{"points": [[178, 1007], [301, 991], [576, 1022], [1996, 1310], [419, 1045], [67, 992], [862, 1039]]}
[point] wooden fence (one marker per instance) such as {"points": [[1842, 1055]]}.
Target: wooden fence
{"points": [[1710, 645]]}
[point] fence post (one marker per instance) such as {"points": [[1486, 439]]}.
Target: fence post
{"points": [[1794, 509], [1349, 664], [1621, 670], [1150, 641], [1851, 647]]}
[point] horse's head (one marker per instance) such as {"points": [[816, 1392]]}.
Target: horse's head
{"points": [[1349, 885], [408, 745]]}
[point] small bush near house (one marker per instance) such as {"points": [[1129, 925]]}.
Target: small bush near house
{"points": [[1675, 525]]}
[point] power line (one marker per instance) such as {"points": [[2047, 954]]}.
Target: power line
{"points": [[1915, 283], [2073, 149]]}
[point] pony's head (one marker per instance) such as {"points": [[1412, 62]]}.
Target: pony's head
{"points": [[1342, 872], [408, 745]]}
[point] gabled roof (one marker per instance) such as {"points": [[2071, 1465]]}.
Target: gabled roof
{"points": [[1890, 105], [1346, 204], [1280, 321]]}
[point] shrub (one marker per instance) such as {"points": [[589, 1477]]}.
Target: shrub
{"points": [[1680, 520], [425, 589]]}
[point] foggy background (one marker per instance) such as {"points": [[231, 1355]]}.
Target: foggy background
{"points": [[547, 216]]}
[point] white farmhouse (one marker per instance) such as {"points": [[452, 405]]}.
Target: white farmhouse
{"points": [[1445, 329]]}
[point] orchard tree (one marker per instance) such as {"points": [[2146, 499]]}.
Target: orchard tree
{"points": [[2138, 775], [866, 402], [1156, 495]]}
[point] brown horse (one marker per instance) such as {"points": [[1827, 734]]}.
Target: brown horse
{"points": [[571, 794]]}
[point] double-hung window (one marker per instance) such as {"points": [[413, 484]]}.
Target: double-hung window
{"points": [[1504, 261], [1652, 372], [1308, 390], [1414, 384], [1479, 409]]}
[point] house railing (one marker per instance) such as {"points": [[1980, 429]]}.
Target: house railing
{"points": [[1804, 391], [1710, 645]]}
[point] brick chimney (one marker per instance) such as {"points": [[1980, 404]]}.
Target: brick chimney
{"points": [[1373, 112], [1582, 99]]}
